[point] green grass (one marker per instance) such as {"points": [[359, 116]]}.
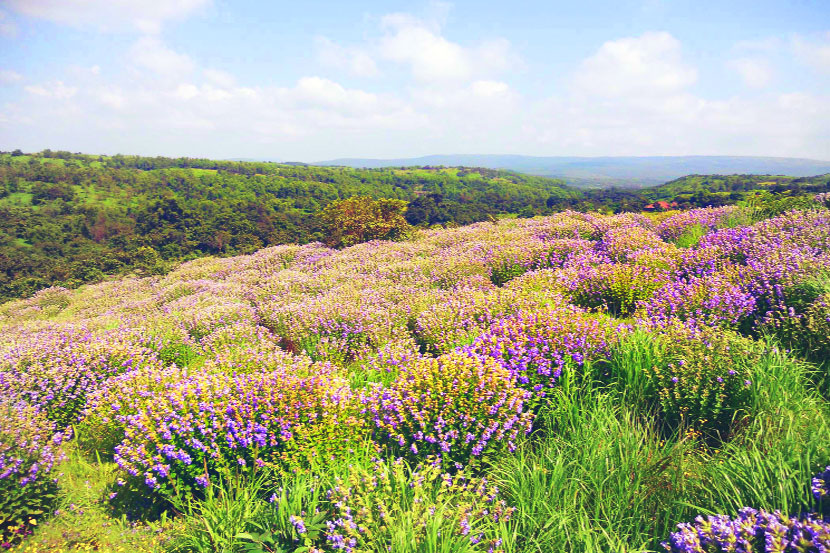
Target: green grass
{"points": [[83, 519]]}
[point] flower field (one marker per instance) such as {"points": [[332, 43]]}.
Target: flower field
{"points": [[578, 382]]}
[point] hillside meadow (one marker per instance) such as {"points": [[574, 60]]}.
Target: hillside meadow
{"points": [[575, 382], [70, 219]]}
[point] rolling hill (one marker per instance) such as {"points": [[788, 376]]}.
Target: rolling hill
{"points": [[610, 171]]}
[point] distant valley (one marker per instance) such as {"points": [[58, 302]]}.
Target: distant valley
{"points": [[603, 172]]}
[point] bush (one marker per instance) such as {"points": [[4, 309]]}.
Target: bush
{"points": [[616, 288], [536, 346], [213, 425], [29, 447], [696, 377], [413, 509], [455, 407], [56, 371], [716, 299]]}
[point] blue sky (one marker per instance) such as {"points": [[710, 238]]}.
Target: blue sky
{"points": [[316, 80]]}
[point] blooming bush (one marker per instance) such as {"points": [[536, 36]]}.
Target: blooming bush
{"points": [[535, 346], [29, 447], [701, 376], [712, 300], [699, 221], [821, 484], [455, 407], [55, 371], [617, 288], [217, 424], [406, 506]]}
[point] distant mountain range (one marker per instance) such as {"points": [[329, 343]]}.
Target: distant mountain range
{"points": [[610, 171]]}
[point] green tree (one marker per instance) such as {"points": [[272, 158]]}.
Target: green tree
{"points": [[360, 219]]}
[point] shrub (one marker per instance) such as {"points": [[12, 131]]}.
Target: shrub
{"points": [[413, 509], [466, 313], [29, 447], [696, 376], [716, 299], [455, 407], [56, 371], [616, 288], [536, 346], [821, 485], [219, 425]]}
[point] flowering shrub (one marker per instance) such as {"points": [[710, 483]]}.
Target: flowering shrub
{"points": [[535, 346], [466, 313], [700, 221], [821, 485], [701, 376], [712, 300], [455, 407], [614, 287], [213, 424], [404, 506], [751, 530], [619, 244], [56, 370], [29, 447]]}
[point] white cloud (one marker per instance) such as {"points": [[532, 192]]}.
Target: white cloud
{"points": [[813, 52], [433, 58], [219, 78], [8, 77], [112, 97], [356, 61], [56, 89], [147, 16], [754, 72], [151, 53], [648, 65]]}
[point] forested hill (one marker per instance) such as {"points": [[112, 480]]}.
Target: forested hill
{"points": [[734, 186], [71, 218], [773, 191]]}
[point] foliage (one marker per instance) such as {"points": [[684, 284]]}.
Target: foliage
{"points": [[262, 396], [29, 447], [360, 219], [696, 377], [455, 407]]}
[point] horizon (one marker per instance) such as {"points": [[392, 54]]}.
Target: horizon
{"points": [[371, 80]]}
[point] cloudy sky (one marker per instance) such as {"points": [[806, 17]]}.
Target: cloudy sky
{"points": [[314, 80]]}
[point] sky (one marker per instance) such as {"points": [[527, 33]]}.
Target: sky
{"points": [[316, 80]]}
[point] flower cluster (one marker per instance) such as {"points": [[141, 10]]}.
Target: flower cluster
{"points": [[696, 221], [716, 299], [617, 288], [210, 424], [821, 484], [455, 407], [56, 369], [751, 530], [29, 447], [702, 376], [535, 346]]}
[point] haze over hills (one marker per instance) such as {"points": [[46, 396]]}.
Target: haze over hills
{"points": [[610, 171]]}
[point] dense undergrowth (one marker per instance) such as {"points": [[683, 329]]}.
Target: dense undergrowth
{"points": [[578, 382]]}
